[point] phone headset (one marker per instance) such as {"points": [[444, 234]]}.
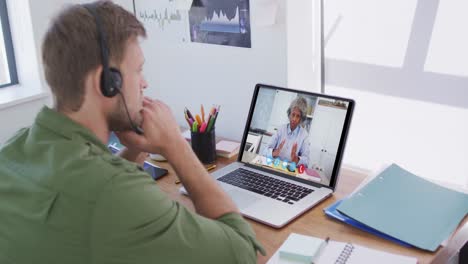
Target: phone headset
{"points": [[111, 78]]}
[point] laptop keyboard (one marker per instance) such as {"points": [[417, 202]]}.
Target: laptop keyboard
{"points": [[267, 186]]}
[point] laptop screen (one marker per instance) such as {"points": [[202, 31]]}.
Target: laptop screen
{"points": [[296, 133]]}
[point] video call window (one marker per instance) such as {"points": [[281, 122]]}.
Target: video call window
{"points": [[296, 134]]}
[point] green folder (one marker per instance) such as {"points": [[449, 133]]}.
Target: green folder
{"points": [[407, 207]]}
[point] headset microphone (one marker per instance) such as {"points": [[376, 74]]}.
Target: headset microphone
{"points": [[136, 128], [111, 78]]}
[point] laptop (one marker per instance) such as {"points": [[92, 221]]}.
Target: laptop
{"points": [[295, 164]]}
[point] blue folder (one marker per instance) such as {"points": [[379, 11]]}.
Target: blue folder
{"points": [[333, 213], [407, 207]]}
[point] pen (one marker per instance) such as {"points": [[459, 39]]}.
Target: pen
{"points": [[320, 250], [187, 119], [214, 119], [188, 113]]}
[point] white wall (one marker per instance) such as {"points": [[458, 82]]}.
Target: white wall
{"points": [[19, 116], [304, 47], [190, 74], [404, 63]]}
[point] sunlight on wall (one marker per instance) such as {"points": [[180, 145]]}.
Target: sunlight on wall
{"points": [[448, 52], [404, 62], [426, 138], [368, 31]]}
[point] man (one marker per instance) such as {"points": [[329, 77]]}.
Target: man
{"points": [[65, 199], [291, 141]]}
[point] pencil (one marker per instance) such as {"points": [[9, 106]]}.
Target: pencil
{"points": [[202, 113], [212, 166]]}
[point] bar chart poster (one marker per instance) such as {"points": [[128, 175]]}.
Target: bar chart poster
{"points": [[220, 22], [166, 20]]}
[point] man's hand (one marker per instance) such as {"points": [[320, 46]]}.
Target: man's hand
{"points": [[294, 156], [277, 151], [160, 126]]}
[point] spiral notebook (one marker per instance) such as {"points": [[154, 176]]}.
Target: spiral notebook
{"points": [[347, 253], [338, 253]]}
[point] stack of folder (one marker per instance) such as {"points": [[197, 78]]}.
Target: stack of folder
{"points": [[402, 207]]}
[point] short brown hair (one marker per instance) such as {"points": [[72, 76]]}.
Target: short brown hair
{"points": [[71, 48]]}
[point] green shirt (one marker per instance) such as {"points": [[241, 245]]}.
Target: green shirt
{"points": [[64, 198]]}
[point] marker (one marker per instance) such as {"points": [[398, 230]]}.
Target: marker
{"points": [[210, 124], [203, 127], [197, 117]]}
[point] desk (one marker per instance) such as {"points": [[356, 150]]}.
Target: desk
{"points": [[314, 222]]}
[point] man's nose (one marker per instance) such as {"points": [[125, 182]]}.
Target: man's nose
{"points": [[144, 84]]}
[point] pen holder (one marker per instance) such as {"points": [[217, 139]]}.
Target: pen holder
{"points": [[204, 146]]}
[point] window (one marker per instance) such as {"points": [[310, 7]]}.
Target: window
{"points": [[8, 75]]}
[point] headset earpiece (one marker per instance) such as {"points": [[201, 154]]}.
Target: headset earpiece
{"points": [[112, 83], [116, 78]]}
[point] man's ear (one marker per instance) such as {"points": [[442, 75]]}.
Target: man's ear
{"points": [[94, 80]]}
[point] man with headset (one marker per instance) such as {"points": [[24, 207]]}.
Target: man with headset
{"points": [[64, 198]]}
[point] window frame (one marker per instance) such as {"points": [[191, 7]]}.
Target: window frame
{"points": [[8, 42]]}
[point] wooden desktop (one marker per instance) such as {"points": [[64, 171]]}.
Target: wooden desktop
{"points": [[314, 222]]}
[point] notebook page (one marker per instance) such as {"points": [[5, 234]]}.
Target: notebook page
{"points": [[339, 252], [227, 146]]}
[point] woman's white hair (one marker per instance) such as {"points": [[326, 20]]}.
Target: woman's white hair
{"points": [[301, 104]]}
